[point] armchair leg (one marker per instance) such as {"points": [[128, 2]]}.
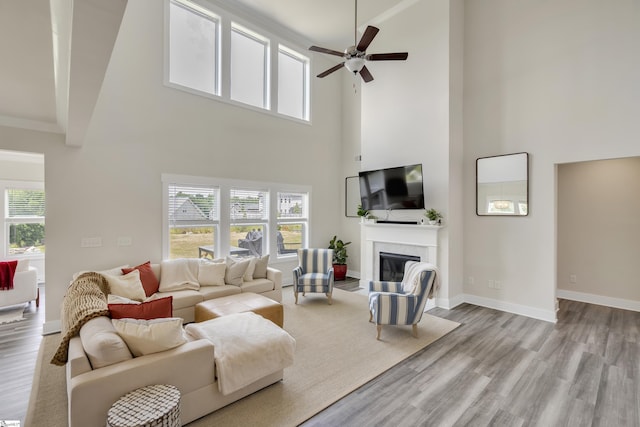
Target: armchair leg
{"points": [[415, 330], [379, 329], [329, 296], [38, 298], [370, 316], [296, 295]]}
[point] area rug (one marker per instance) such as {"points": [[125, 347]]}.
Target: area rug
{"points": [[349, 284], [336, 352], [11, 314]]}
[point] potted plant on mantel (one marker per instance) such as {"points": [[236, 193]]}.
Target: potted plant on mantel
{"points": [[339, 258], [365, 215], [433, 215]]}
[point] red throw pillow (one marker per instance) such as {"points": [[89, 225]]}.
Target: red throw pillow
{"points": [[147, 277], [154, 309]]}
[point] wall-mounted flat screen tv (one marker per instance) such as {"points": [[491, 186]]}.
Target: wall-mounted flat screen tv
{"points": [[392, 188]]}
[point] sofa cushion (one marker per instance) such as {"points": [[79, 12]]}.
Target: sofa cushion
{"points": [[182, 299], [257, 286], [179, 274], [152, 309], [102, 344], [235, 271], [248, 274], [211, 273], [210, 292], [23, 265], [260, 272], [127, 285], [148, 278], [150, 336]]}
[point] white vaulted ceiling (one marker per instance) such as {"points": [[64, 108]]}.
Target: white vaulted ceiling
{"points": [[54, 53]]}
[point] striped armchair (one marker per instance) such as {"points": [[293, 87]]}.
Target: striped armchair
{"points": [[402, 303], [314, 272]]}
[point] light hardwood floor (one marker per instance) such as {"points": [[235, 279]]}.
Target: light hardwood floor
{"points": [[497, 369], [19, 345]]}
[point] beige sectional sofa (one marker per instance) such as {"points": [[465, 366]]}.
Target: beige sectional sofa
{"points": [[99, 370]]}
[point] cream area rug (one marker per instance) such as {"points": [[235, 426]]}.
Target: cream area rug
{"points": [[336, 352], [12, 314]]}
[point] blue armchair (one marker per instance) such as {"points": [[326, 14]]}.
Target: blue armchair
{"points": [[314, 272], [402, 303]]}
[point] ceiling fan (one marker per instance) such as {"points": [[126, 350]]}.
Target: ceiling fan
{"points": [[355, 56]]}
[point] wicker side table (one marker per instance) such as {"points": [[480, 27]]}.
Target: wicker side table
{"points": [[150, 406]]}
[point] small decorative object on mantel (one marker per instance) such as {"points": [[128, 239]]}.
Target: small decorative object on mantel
{"points": [[365, 215], [434, 217], [339, 258]]}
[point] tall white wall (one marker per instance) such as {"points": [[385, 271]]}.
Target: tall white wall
{"points": [[141, 129], [409, 116], [599, 230], [559, 81]]}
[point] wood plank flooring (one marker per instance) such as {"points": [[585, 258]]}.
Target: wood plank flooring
{"points": [[497, 369], [19, 345]]}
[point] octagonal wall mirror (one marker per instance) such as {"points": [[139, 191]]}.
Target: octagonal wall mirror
{"points": [[502, 185]]}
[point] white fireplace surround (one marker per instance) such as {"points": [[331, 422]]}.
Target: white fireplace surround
{"points": [[405, 239]]}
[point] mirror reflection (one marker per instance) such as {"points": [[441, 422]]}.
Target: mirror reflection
{"points": [[502, 185]]}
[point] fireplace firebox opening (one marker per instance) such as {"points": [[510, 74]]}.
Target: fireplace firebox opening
{"points": [[392, 265]]}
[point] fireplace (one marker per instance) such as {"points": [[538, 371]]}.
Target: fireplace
{"points": [[392, 265]]}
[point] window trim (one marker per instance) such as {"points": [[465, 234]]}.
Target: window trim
{"points": [[228, 15], [6, 221], [225, 222]]}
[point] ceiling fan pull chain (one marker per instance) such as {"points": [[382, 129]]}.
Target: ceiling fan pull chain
{"points": [[355, 26]]}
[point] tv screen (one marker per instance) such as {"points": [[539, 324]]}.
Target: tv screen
{"points": [[392, 188]]}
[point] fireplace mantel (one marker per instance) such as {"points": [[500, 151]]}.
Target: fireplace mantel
{"points": [[410, 239]]}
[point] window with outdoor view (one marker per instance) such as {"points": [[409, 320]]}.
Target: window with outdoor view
{"points": [[292, 222], [249, 214], [217, 217], [193, 216], [24, 219]]}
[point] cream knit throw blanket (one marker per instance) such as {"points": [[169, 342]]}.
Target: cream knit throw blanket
{"points": [[85, 299]]}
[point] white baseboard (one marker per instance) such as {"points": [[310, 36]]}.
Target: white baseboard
{"points": [[52, 327], [623, 304], [509, 307]]}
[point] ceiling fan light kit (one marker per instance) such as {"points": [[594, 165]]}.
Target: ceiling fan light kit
{"points": [[356, 55]]}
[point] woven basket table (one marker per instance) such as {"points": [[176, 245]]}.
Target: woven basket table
{"points": [[150, 406]]}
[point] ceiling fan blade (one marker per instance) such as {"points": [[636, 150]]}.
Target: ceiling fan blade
{"points": [[365, 74], [331, 70], [399, 56], [325, 50], [367, 38]]}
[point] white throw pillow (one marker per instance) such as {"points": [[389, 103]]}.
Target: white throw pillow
{"points": [[179, 274], [260, 271], [235, 271], [150, 336], [127, 285], [211, 274], [115, 271], [117, 299], [102, 344], [248, 275]]}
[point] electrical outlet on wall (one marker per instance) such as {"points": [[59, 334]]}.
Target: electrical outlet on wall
{"points": [[573, 279], [491, 283]]}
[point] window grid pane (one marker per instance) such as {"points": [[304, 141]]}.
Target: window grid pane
{"points": [[193, 215], [248, 205], [193, 48], [292, 82], [248, 68], [25, 203], [292, 205], [290, 238]]}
